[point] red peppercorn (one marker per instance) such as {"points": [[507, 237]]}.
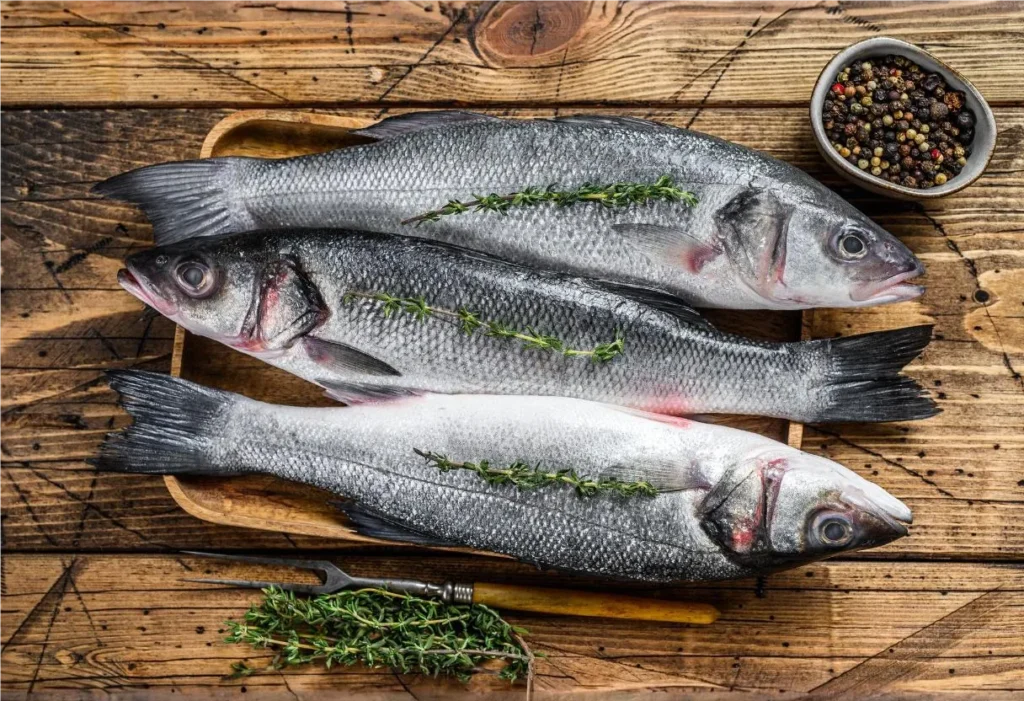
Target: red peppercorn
{"points": [[838, 88], [935, 153]]}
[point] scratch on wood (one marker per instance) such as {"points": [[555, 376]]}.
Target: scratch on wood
{"points": [[183, 55], [887, 461], [973, 270], [725, 69], [912, 654], [444, 35]]}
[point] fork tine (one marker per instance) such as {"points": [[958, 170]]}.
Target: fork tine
{"points": [[256, 584], [332, 578]]}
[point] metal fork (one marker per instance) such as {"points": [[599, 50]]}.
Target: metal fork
{"points": [[565, 602]]}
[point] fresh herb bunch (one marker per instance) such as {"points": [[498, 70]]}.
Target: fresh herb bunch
{"points": [[614, 195], [525, 476], [379, 628], [471, 322]]}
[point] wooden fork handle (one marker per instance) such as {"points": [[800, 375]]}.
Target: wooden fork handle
{"points": [[567, 602]]}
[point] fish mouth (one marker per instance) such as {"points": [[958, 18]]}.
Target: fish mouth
{"points": [[893, 289], [891, 516], [133, 284]]}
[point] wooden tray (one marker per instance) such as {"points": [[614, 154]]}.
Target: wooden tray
{"points": [[271, 504]]}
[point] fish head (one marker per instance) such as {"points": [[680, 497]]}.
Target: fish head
{"points": [[837, 257], [253, 298], [781, 507]]}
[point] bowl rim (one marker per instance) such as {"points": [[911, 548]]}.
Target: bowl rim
{"points": [[895, 45]]}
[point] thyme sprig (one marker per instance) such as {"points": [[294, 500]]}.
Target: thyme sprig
{"points": [[614, 195], [470, 322], [525, 476], [379, 628]]}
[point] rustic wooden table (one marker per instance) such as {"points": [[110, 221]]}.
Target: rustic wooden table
{"points": [[93, 604]]}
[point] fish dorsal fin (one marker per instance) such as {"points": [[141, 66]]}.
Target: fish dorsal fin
{"points": [[372, 524], [601, 120], [403, 124], [662, 301]]}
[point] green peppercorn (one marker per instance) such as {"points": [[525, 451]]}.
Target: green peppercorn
{"points": [[863, 164], [940, 178]]}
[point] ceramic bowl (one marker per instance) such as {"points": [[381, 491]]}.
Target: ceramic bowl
{"points": [[984, 129]]}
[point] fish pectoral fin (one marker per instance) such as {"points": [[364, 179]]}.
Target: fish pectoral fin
{"points": [[663, 475], [662, 301], [403, 124], [371, 524], [361, 392], [341, 358], [670, 245]]}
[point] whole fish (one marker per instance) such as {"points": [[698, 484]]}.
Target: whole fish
{"points": [[762, 235], [727, 503], [371, 316]]}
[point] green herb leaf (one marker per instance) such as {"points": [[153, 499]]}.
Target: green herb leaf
{"points": [[471, 322], [526, 477], [614, 195], [379, 628]]}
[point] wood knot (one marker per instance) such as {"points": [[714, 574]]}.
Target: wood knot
{"points": [[528, 33]]}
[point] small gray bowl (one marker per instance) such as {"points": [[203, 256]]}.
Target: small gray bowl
{"points": [[984, 128]]}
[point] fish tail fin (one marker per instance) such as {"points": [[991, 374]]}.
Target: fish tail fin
{"points": [[183, 199], [864, 382], [175, 425]]}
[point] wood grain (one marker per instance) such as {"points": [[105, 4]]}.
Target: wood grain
{"points": [[658, 53], [965, 493], [78, 626]]}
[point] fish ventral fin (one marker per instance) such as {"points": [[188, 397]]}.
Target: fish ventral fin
{"points": [[372, 524], [601, 120], [662, 301], [404, 124], [184, 199], [363, 392], [670, 245], [340, 358]]}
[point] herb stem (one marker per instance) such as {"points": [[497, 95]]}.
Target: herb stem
{"points": [[613, 195], [471, 322], [525, 476]]}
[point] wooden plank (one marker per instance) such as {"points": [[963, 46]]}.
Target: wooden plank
{"points": [[965, 493], [78, 626], [267, 53]]}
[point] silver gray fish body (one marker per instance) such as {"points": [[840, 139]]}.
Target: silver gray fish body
{"points": [[310, 302], [763, 234], [729, 504]]}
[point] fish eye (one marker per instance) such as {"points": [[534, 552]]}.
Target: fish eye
{"points": [[194, 278], [834, 530], [852, 245]]}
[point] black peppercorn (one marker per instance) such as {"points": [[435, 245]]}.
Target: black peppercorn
{"points": [[891, 118]]}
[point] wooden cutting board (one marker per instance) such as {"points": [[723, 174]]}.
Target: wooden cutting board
{"points": [[270, 504]]}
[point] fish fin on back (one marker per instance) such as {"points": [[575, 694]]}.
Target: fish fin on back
{"points": [[403, 124], [362, 392], [184, 199], [341, 358], [602, 120], [372, 524], [662, 301], [670, 245]]}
